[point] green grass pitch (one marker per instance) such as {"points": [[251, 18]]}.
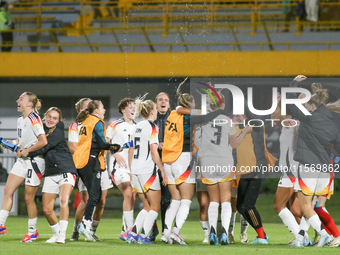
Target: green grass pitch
{"points": [[109, 230], [110, 226]]}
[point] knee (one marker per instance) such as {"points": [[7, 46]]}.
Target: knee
{"points": [[296, 211], [306, 207], [204, 207], [47, 211], [102, 202], [128, 196], [277, 208], [63, 201], [29, 199], [8, 191], [84, 197]]}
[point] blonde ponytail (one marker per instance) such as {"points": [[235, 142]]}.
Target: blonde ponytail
{"points": [[91, 107], [34, 100], [143, 108], [319, 96], [184, 99], [335, 106]]}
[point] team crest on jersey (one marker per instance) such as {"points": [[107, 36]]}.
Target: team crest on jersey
{"points": [[82, 131], [138, 130]]}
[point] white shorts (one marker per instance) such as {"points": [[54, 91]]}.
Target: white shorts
{"points": [[105, 183], [120, 175], [53, 183], [312, 182], [143, 182], [288, 178], [180, 171], [81, 185], [32, 170], [216, 169]]}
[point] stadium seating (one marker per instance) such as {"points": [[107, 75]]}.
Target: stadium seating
{"points": [[172, 25]]}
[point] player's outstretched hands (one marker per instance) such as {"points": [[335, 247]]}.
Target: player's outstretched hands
{"points": [[120, 160], [300, 78]]}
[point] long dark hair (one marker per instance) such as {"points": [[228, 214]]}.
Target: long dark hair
{"points": [[91, 107]]}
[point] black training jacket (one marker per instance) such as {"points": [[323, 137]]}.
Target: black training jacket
{"points": [[160, 122], [58, 158], [317, 134]]}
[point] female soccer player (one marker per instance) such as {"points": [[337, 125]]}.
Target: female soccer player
{"points": [[250, 156], [143, 162], [31, 137], [317, 134], [201, 188], [60, 174], [285, 191], [105, 181], [243, 222], [73, 138], [176, 155], [216, 150], [163, 111], [89, 158], [120, 132]]}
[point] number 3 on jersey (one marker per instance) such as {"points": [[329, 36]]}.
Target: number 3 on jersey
{"points": [[218, 134], [137, 140]]}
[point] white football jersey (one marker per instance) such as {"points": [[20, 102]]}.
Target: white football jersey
{"points": [[29, 129], [145, 134], [73, 132], [120, 132], [215, 138]]}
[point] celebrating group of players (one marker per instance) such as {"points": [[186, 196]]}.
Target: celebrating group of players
{"points": [[164, 157]]}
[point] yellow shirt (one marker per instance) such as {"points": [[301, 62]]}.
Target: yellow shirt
{"points": [[82, 153], [173, 137]]}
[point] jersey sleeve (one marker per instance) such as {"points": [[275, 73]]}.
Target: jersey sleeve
{"points": [[73, 135], [37, 126], [154, 134], [111, 130]]}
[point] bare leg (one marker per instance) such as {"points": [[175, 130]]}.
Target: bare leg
{"points": [[48, 201], [295, 207], [32, 209], [12, 184], [65, 192], [203, 200]]}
